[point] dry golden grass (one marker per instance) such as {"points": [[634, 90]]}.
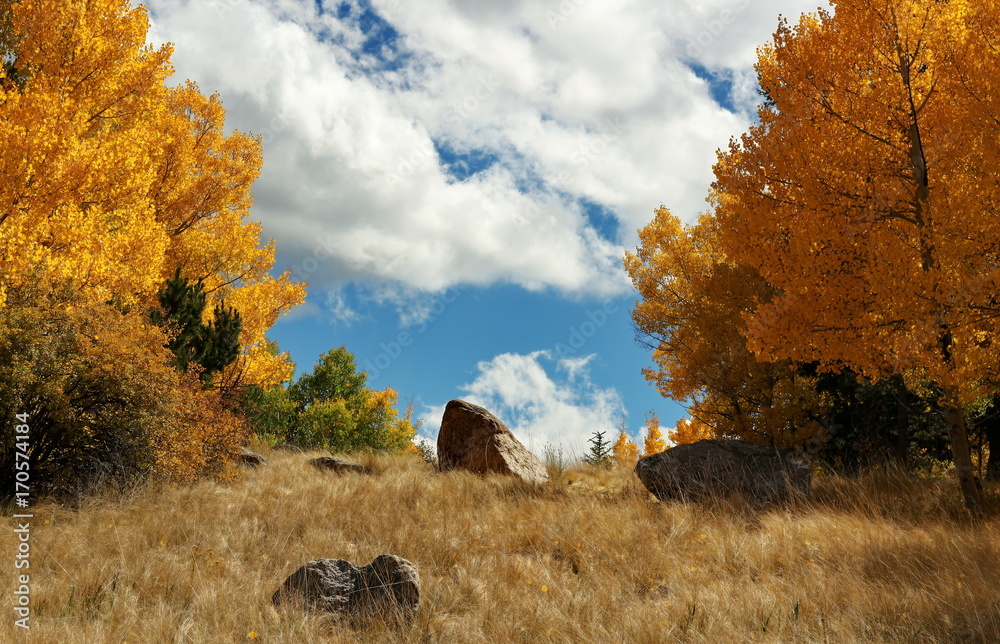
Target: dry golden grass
{"points": [[597, 560]]}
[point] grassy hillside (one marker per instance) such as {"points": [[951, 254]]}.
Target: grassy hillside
{"points": [[590, 558]]}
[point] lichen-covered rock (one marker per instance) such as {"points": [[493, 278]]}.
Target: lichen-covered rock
{"points": [[717, 468], [388, 585], [472, 438], [336, 464]]}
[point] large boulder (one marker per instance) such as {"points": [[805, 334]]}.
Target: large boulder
{"points": [[472, 438], [388, 585], [717, 468]]}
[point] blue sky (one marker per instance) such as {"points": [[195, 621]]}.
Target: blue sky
{"points": [[458, 180]]}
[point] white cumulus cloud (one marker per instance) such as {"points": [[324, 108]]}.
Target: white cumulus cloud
{"points": [[540, 405], [467, 140]]}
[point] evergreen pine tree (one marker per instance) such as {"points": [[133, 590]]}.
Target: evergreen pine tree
{"points": [[600, 451], [220, 342], [181, 305], [213, 346]]}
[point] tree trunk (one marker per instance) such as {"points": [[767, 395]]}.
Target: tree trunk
{"points": [[991, 426], [955, 420], [902, 422]]}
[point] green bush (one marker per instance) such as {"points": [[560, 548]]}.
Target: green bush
{"points": [[330, 408]]}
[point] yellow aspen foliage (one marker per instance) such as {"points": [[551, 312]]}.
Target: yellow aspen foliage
{"points": [[690, 430], [392, 432], [203, 199], [77, 143], [624, 452], [405, 429], [694, 301], [866, 197], [654, 443], [115, 180]]}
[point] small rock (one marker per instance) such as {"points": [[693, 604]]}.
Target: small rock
{"points": [[716, 468], [472, 438], [335, 464], [250, 458], [387, 584]]}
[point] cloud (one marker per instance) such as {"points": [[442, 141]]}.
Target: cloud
{"points": [[459, 141], [576, 367], [538, 405], [339, 310]]}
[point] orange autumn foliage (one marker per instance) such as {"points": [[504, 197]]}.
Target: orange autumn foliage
{"points": [[654, 443], [624, 452], [102, 401], [866, 197], [694, 300], [690, 430]]}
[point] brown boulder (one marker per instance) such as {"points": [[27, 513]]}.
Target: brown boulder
{"points": [[472, 438]]}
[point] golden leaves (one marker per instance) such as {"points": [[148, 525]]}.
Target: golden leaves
{"points": [[114, 180], [866, 196], [624, 452], [654, 443], [690, 430], [695, 301]]}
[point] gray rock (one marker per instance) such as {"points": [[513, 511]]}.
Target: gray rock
{"points": [[250, 458], [335, 464], [717, 468], [472, 438], [386, 585]]}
